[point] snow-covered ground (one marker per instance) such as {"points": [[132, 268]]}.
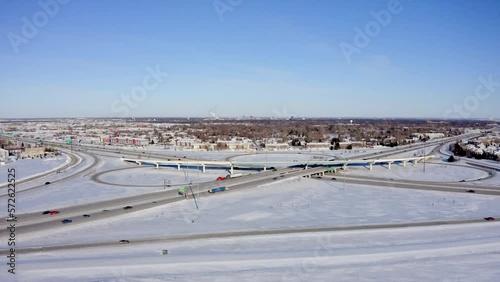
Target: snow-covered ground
{"points": [[297, 202], [150, 176], [31, 167], [434, 171], [439, 253]]}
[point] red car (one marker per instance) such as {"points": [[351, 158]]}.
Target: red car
{"points": [[53, 212], [489, 218], [220, 178]]}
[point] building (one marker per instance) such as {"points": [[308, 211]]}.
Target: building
{"points": [[318, 146], [278, 146], [37, 152], [129, 141]]}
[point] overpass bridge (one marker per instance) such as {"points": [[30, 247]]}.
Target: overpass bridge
{"points": [[203, 165]]}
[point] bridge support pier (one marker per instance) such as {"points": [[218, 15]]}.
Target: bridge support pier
{"points": [[389, 165], [265, 168], [203, 168], [157, 165], [178, 167], [371, 166], [232, 170], [404, 163]]}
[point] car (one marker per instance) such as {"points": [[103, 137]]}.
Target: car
{"points": [[489, 218], [127, 207], [124, 241], [462, 180], [11, 218], [154, 203], [319, 177], [275, 178], [47, 183], [46, 212], [470, 191], [282, 175], [333, 178], [86, 215], [67, 221], [105, 210], [53, 212]]}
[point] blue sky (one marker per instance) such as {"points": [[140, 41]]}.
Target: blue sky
{"points": [[256, 57]]}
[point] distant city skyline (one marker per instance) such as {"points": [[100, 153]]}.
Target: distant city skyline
{"points": [[352, 59]]}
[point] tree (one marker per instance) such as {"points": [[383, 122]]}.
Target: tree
{"points": [[451, 159], [349, 147], [337, 146]]}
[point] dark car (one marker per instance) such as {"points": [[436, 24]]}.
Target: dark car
{"points": [[489, 218], [127, 207], [124, 241], [333, 178], [105, 210], [67, 221], [154, 203], [275, 178], [470, 191], [47, 183], [46, 212], [86, 215], [462, 180]]}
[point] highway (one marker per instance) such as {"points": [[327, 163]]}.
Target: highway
{"points": [[202, 236], [74, 160], [29, 222], [94, 163]]}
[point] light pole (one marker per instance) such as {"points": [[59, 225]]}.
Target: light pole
{"points": [[425, 142]]}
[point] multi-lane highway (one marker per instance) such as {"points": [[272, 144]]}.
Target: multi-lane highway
{"points": [[260, 232]]}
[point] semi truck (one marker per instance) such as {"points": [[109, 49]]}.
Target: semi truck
{"points": [[234, 175], [217, 189]]}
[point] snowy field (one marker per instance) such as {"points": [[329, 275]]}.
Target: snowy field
{"points": [[439, 253], [435, 171], [290, 203], [31, 167], [149, 175]]}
